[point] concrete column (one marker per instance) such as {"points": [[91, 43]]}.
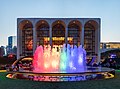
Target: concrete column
{"points": [[82, 35], [97, 44], [66, 35], [98, 40], [18, 43], [34, 40], [50, 33]]}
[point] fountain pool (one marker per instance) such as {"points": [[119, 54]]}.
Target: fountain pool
{"points": [[55, 64]]}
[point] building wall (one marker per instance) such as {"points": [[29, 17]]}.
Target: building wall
{"points": [[88, 33], [12, 43], [109, 45], [2, 51]]}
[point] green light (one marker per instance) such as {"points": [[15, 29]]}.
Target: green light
{"points": [[63, 66], [117, 70], [63, 61]]}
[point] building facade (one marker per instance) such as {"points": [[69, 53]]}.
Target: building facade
{"points": [[2, 51], [12, 43], [110, 45], [32, 32], [110, 50]]}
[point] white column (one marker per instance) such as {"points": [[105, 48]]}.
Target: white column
{"points": [[98, 40], [50, 32], [66, 35], [97, 44], [18, 43], [34, 40], [82, 35]]}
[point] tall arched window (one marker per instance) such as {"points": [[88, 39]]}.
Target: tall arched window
{"points": [[58, 33], [42, 31], [74, 33], [27, 38], [89, 37]]}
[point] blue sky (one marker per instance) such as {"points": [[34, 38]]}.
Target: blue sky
{"points": [[107, 10]]}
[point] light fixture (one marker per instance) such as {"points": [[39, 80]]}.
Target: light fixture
{"points": [[89, 22], [26, 21], [73, 21]]}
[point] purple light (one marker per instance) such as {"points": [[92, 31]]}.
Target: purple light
{"points": [[67, 59]]}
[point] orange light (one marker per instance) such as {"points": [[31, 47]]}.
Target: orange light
{"points": [[26, 21], [46, 65], [69, 38], [58, 38]]}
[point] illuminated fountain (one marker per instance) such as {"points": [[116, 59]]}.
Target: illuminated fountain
{"points": [[59, 60], [59, 64]]}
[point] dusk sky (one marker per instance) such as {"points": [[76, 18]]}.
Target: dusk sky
{"points": [[107, 10]]}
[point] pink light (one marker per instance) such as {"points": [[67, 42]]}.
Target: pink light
{"points": [[47, 59]]}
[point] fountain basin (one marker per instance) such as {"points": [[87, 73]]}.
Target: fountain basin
{"points": [[95, 74]]}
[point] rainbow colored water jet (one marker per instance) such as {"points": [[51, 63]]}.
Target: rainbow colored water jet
{"points": [[67, 59]]}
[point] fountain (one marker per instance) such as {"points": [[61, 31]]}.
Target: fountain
{"points": [[59, 60], [59, 64]]}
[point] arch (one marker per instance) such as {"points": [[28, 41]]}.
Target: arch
{"points": [[41, 24], [74, 32], [58, 22], [42, 32], [58, 32], [91, 24], [90, 29], [25, 24], [26, 59], [26, 31], [74, 23]]}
